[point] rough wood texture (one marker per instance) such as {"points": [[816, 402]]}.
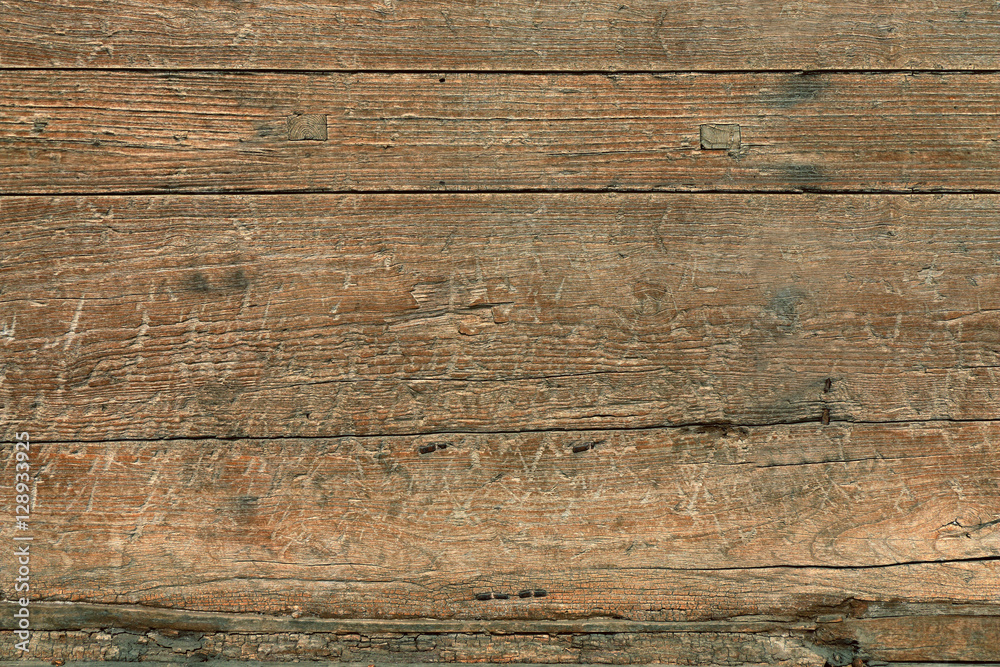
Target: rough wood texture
{"points": [[941, 637], [321, 315], [122, 132], [361, 650], [502, 35], [656, 524], [121, 632], [422, 332]]}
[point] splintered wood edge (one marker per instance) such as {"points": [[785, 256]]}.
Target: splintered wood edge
{"points": [[75, 616], [78, 615], [67, 630]]}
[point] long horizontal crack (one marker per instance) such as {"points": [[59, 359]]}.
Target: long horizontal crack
{"points": [[506, 71], [457, 190], [50, 613], [557, 376], [788, 566], [487, 432]]}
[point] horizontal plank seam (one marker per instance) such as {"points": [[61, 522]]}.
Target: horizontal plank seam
{"points": [[790, 566], [520, 72], [594, 429], [805, 190], [307, 625]]}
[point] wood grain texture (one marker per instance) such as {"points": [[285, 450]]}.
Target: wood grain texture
{"points": [[132, 633], [494, 35], [124, 633], [322, 315], [655, 524], [172, 132], [940, 637], [236, 650]]}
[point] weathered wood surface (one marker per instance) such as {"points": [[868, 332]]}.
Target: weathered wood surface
{"points": [[502, 35], [655, 524], [129, 633], [323, 315], [123, 632], [941, 637], [79, 132], [542, 395]]}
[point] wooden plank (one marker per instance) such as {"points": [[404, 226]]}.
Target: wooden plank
{"points": [[120, 632], [62, 616], [906, 639], [652, 524], [235, 650], [495, 35], [321, 315], [199, 132]]}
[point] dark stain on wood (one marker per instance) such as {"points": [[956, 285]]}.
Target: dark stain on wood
{"points": [[236, 280], [802, 175], [795, 90], [197, 282]]}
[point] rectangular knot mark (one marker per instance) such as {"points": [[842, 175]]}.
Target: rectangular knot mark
{"points": [[720, 137], [310, 126]]}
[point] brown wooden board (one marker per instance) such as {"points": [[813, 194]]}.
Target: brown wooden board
{"points": [[82, 632], [324, 315], [85, 132], [493, 332], [943, 637], [502, 35], [655, 524]]}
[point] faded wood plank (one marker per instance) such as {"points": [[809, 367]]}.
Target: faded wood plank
{"points": [[907, 639], [601, 35], [122, 632], [117, 632], [656, 524], [219, 649], [122, 132], [320, 315]]}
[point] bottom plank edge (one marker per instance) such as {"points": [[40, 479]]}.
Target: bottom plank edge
{"points": [[273, 663], [66, 616], [134, 634]]}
